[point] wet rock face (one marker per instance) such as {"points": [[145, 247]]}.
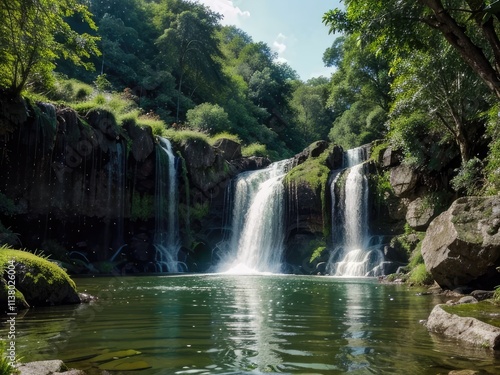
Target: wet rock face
{"points": [[462, 245]]}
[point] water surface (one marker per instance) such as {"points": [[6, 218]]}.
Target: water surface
{"points": [[224, 324]]}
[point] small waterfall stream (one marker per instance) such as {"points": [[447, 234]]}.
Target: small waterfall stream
{"points": [[256, 244], [166, 238], [354, 251]]}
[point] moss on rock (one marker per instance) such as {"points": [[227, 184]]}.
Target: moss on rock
{"points": [[41, 282]]}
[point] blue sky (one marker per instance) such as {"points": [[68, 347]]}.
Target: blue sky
{"points": [[292, 28]]}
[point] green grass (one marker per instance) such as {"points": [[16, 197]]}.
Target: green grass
{"points": [[225, 135], [178, 136], [420, 276], [255, 149]]}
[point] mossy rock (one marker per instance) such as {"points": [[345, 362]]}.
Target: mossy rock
{"points": [[485, 311], [42, 282]]}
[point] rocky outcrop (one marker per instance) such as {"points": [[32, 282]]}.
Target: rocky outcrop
{"points": [[462, 245], [403, 180], [465, 329], [419, 214], [229, 149]]}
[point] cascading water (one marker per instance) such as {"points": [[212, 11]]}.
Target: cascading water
{"points": [[354, 253], [116, 192], [166, 238], [256, 244]]}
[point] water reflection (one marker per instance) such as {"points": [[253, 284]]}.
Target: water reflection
{"points": [[249, 324], [222, 324]]}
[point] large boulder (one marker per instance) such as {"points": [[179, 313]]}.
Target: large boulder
{"points": [[420, 213], [41, 282], [403, 180], [229, 149], [465, 329], [462, 245]]}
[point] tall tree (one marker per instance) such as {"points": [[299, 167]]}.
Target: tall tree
{"points": [[439, 83], [33, 33], [470, 27], [360, 92], [189, 45]]}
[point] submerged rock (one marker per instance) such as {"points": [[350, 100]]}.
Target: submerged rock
{"points": [[466, 329], [462, 245], [54, 367]]}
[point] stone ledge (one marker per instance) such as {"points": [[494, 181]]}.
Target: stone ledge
{"points": [[466, 329]]}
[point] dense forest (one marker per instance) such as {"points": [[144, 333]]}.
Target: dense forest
{"points": [[427, 86], [422, 78]]}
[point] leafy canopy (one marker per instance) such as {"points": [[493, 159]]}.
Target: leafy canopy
{"points": [[33, 33]]}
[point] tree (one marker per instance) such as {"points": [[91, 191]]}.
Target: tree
{"points": [[190, 47], [470, 27], [438, 82], [208, 117], [33, 33], [360, 93], [312, 116]]}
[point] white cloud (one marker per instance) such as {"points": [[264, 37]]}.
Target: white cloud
{"points": [[279, 45], [232, 14]]}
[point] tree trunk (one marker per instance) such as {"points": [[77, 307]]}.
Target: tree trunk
{"points": [[470, 52]]}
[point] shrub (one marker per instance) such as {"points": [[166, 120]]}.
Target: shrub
{"points": [[420, 276], [254, 149], [470, 179], [208, 117]]}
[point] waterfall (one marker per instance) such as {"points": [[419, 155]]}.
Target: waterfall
{"points": [[354, 252], [166, 237], [116, 192], [256, 243]]}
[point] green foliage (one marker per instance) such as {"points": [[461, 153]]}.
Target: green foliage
{"points": [[492, 170], [208, 117], [383, 187], [312, 117], [255, 149], [225, 135], [420, 276], [33, 35], [6, 364], [316, 254], [377, 150], [178, 136], [496, 294], [314, 173], [142, 207], [69, 90], [469, 179], [101, 83]]}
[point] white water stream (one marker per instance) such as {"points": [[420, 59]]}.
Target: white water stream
{"points": [[166, 238], [256, 244], [353, 253]]}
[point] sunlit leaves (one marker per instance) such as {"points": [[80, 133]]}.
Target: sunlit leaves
{"points": [[34, 33]]}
